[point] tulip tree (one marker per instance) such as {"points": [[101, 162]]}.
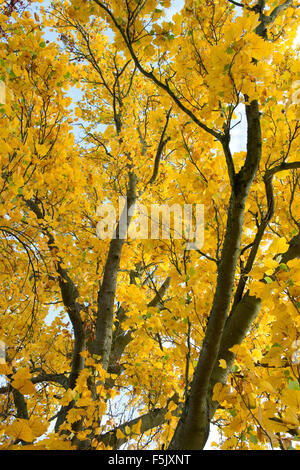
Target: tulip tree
{"points": [[136, 342]]}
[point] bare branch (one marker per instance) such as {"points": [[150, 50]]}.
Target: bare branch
{"points": [[229, 160], [163, 141], [148, 421]]}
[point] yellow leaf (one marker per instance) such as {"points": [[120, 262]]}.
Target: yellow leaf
{"points": [[53, 443], [127, 429], [168, 416], [216, 391], [84, 354], [119, 434], [222, 363], [68, 397], [270, 263], [84, 401], [266, 386], [22, 383], [20, 429], [37, 426], [5, 369], [256, 354], [136, 428], [172, 406], [279, 245], [291, 417], [291, 398]]}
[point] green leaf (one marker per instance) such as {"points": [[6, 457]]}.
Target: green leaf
{"points": [[226, 68], [192, 271], [170, 36], [283, 267], [293, 385], [253, 439], [268, 280]]}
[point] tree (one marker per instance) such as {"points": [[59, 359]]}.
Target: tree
{"points": [[121, 341]]}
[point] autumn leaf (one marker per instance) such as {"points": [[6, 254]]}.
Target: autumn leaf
{"points": [[120, 434], [22, 383], [20, 429]]}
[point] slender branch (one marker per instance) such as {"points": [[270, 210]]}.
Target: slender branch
{"points": [[229, 160], [148, 421], [56, 378], [163, 141], [237, 3], [284, 166]]}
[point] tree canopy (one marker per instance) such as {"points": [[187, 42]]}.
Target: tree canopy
{"points": [[138, 342]]}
